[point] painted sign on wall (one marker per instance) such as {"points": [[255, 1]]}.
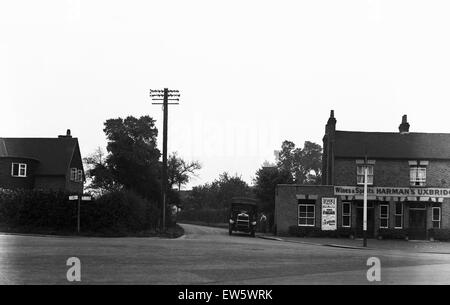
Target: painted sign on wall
{"points": [[329, 214], [393, 191]]}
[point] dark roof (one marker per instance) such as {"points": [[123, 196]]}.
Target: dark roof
{"points": [[392, 145], [53, 154]]}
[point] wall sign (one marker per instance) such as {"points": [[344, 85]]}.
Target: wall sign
{"points": [[433, 192], [329, 214]]}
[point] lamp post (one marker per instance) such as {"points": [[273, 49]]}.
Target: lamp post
{"points": [[365, 203]]}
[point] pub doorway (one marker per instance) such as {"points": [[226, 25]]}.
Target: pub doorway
{"points": [[417, 222], [370, 220]]}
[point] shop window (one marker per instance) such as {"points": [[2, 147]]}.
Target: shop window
{"points": [[384, 216], [19, 170], [436, 217], [346, 214], [360, 174], [398, 215], [418, 175], [306, 214]]}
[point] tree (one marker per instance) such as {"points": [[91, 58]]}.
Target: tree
{"points": [[179, 171], [303, 164], [133, 157], [265, 183], [218, 194], [100, 178]]}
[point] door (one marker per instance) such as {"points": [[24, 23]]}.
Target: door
{"points": [[417, 224], [370, 222]]}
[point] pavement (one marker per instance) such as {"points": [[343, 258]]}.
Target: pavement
{"points": [[419, 246], [209, 256]]}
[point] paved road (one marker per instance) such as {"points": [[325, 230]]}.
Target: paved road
{"points": [[207, 256]]}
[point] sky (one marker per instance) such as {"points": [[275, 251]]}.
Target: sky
{"points": [[250, 73]]}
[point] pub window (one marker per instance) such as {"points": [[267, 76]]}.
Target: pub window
{"points": [[436, 217], [306, 214], [360, 174], [418, 175], [73, 174], [384, 216], [19, 170], [346, 214], [398, 215]]}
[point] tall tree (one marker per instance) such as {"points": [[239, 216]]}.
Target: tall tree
{"points": [[132, 160]]}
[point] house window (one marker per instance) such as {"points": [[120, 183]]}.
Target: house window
{"points": [[306, 214], [398, 215], [19, 170], [73, 174], [436, 217], [360, 174], [346, 214], [418, 175], [384, 216], [76, 175]]}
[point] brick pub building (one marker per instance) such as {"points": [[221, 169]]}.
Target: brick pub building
{"points": [[408, 187]]}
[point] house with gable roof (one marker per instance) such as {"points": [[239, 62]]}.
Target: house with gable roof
{"points": [[42, 163]]}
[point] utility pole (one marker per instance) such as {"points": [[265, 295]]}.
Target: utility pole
{"points": [[165, 96]]}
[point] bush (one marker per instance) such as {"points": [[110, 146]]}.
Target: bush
{"points": [[439, 234], [393, 233]]}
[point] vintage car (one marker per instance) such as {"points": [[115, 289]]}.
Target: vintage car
{"points": [[243, 215]]}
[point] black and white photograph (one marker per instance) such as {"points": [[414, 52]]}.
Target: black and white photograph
{"points": [[224, 149]]}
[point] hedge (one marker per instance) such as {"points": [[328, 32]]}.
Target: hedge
{"points": [[439, 234], [115, 213], [393, 233]]}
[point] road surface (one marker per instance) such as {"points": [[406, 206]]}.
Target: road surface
{"points": [[207, 255]]}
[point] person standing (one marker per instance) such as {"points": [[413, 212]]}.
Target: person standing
{"points": [[263, 222]]}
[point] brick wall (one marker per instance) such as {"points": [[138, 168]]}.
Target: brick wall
{"points": [[286, 204], [392, 173]]}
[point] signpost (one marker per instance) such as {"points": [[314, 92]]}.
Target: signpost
{"points": [[79, 198]]}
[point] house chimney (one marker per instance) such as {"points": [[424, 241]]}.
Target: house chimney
{"points": [[331, 124], [404, 126], [68, 135]]}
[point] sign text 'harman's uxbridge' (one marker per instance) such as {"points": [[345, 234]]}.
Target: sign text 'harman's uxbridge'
{"points": [[393, 191]]}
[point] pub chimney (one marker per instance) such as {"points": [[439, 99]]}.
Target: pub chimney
{"points": [[404, 126]]}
